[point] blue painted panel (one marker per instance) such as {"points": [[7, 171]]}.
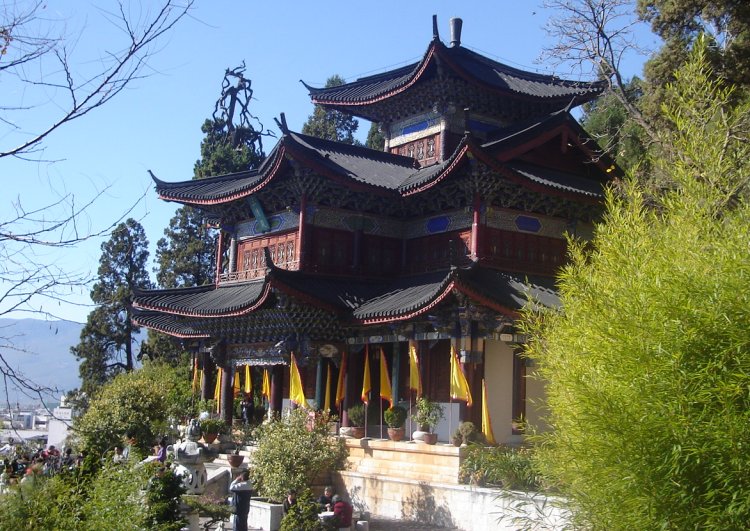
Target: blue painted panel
{"points": [[438, 224], [528, 224], [413, 128]]}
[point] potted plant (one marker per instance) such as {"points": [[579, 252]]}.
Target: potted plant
{"points": [[395, 417], [427, 417], [211, 428], [356, 416]]}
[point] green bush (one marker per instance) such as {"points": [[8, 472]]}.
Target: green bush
{"points": [[500, 466], [395, 417], [428, 414], [648, 364], [142, 401], [303, 515], [214, 425], [290, 454], [356, 415]]}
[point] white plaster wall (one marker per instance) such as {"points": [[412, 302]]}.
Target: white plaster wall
{"points": [[498, 374], [457, 506]]}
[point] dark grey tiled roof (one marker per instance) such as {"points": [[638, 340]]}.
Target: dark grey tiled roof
{"points": [[364, 165], [204, 300], [385, 171], [168, 324], [404, 296], [510, 290], [354, 300], [221, 187], [557, 179], [467, 64]]}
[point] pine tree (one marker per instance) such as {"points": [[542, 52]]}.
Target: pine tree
{"points": [[107, 339], [331, 124]]}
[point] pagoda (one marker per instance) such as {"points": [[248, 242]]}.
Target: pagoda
{"points": [[336, 252]]}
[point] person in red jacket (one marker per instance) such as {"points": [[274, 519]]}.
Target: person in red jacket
{"points": [[342, 512]]}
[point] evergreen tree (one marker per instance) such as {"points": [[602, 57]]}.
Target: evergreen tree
{"points": [[375, 139], [331, 124], [185, 256], [679, 23], [608, 121], [107, 339]]}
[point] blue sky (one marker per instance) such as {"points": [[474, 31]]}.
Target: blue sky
{"points": [[155, 123]]}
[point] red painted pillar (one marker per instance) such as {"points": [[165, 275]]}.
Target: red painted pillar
{"points": [[475, 224], [301, 233]]}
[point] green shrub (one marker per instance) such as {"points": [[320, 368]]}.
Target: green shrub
{"points": [[428, 414], [648, 365], [395, 417], [214, 425], [356, 415], [291, 453], [500, 466], [303, 515], [142, 401]]}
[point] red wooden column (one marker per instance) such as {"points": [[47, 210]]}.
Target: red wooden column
{"points": [[209, 369], [227, 394], [218, 256], [277, 388], [300, 258], [475, 225]]}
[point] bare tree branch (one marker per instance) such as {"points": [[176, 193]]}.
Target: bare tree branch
{"points": [[593, 36], [119, 68]]}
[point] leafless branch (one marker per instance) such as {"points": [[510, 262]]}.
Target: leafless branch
{"points": [[119, 68], [593, 36]]}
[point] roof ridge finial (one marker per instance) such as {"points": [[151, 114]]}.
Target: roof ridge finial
{"points": [[435, 32], [456, 25], [282, 124]]}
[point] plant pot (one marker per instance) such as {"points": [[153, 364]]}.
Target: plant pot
{"points": [[210, 437], [425, 437], [235, 460], [396, 434], [355, 432]]}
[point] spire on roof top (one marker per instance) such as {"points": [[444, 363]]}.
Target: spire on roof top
{"points": [[281, 122], [456, 24], [435, 32]]}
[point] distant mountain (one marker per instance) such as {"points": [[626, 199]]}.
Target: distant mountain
{"points": [[40, 350]]}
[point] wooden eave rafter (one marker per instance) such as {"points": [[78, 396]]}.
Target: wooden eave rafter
{"points": [[567, 133], [485, 301]]}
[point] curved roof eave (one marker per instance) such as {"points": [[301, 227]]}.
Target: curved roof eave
{"points": [[267, 171], [467, 65], [162, 323], [185, 306], [468, 148], [411, 314], [417, 69]]}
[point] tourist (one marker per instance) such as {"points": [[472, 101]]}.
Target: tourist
{"points": [[242, 490], [342, 512], [325, 501], [291, 499], [246, 407], [118, 455], [130, 443], [161, 453]]}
